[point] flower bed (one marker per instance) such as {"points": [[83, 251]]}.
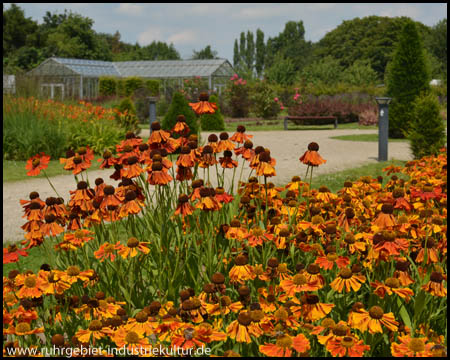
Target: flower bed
{"points": [[31, 125], [170, 260]]}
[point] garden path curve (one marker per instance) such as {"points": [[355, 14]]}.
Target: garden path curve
{"points": [[285, 146]]}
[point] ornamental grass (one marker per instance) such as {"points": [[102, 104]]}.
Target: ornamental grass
{"points": [[167, 257]]}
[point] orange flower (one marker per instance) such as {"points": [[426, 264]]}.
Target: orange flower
{"points": [[132, 205], [82, 197], [207, 201], [347, 346], [436, 285], [107, 250], [142, 324], [311, 157], [157, 135], [241, 271], [239, 135], [11, 254], [37, 163], [265, 167], [224, 143], [181, 128], [93, 332], [133, 342], [298, 283], [241, 329], [226, 161], [107, 160], [284, 345], [184, 208], [373, 319], [257, 237], [391, 286], [412, 347], [158, 175], [23, 328], [385, 219], [348, 279], [30, 286], [203, 106], [134, 246], [327, 262], [314, 310]]}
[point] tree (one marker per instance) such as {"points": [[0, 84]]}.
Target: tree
{"points": [[206, 53], [281, 72], [180, 106], [260, 52], [18, 30], [437, 44], [360, 74], [427, 131], [236, 55], [250, 51], [242, 49], [325, 71], [407, 76], [74, 37], [289, 44], [371, 38], [158, 50]]}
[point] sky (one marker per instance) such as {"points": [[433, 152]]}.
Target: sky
{"points": [[194, 26]]}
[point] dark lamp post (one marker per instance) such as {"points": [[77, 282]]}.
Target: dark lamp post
{"points": [[383, 127], [152, 110]]}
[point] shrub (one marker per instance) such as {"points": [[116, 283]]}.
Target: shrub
{"points": [[131, 84], [153, 86], [162, 106], [238, 97], [262, 100], [107, 86], [213, 122], [407, 75], [121, 87], [126, 115], [368, 117], [345, 107], [141, 103], [180, 106], [427, 132]]}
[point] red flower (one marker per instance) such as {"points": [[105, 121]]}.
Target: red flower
{"points": [[37, 163], [11, 254]]}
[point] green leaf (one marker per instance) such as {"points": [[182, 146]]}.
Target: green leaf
{"points": [[125, 294], [404, 313]]}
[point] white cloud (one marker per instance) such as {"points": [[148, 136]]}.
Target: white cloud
{"points": [[130, 9], [151, 34], [411, 11], [184, 37]]}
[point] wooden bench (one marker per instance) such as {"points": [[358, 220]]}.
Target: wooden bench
{"points": [[311, 120]]}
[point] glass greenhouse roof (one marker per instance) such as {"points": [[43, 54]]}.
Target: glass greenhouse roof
{"points": [[146, 69]]}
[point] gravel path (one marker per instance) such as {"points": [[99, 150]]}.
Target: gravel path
{"points": [[285, 146]]}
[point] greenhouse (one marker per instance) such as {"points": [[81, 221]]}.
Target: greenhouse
{"points": [[76, 78]]}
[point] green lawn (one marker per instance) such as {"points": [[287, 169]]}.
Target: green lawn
{"points": [[272, 125], [15, 170], [363, 137], [333, 181]]}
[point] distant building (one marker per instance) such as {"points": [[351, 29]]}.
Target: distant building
{"points": [[9, 84], [435, 82], [80, 78]]}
